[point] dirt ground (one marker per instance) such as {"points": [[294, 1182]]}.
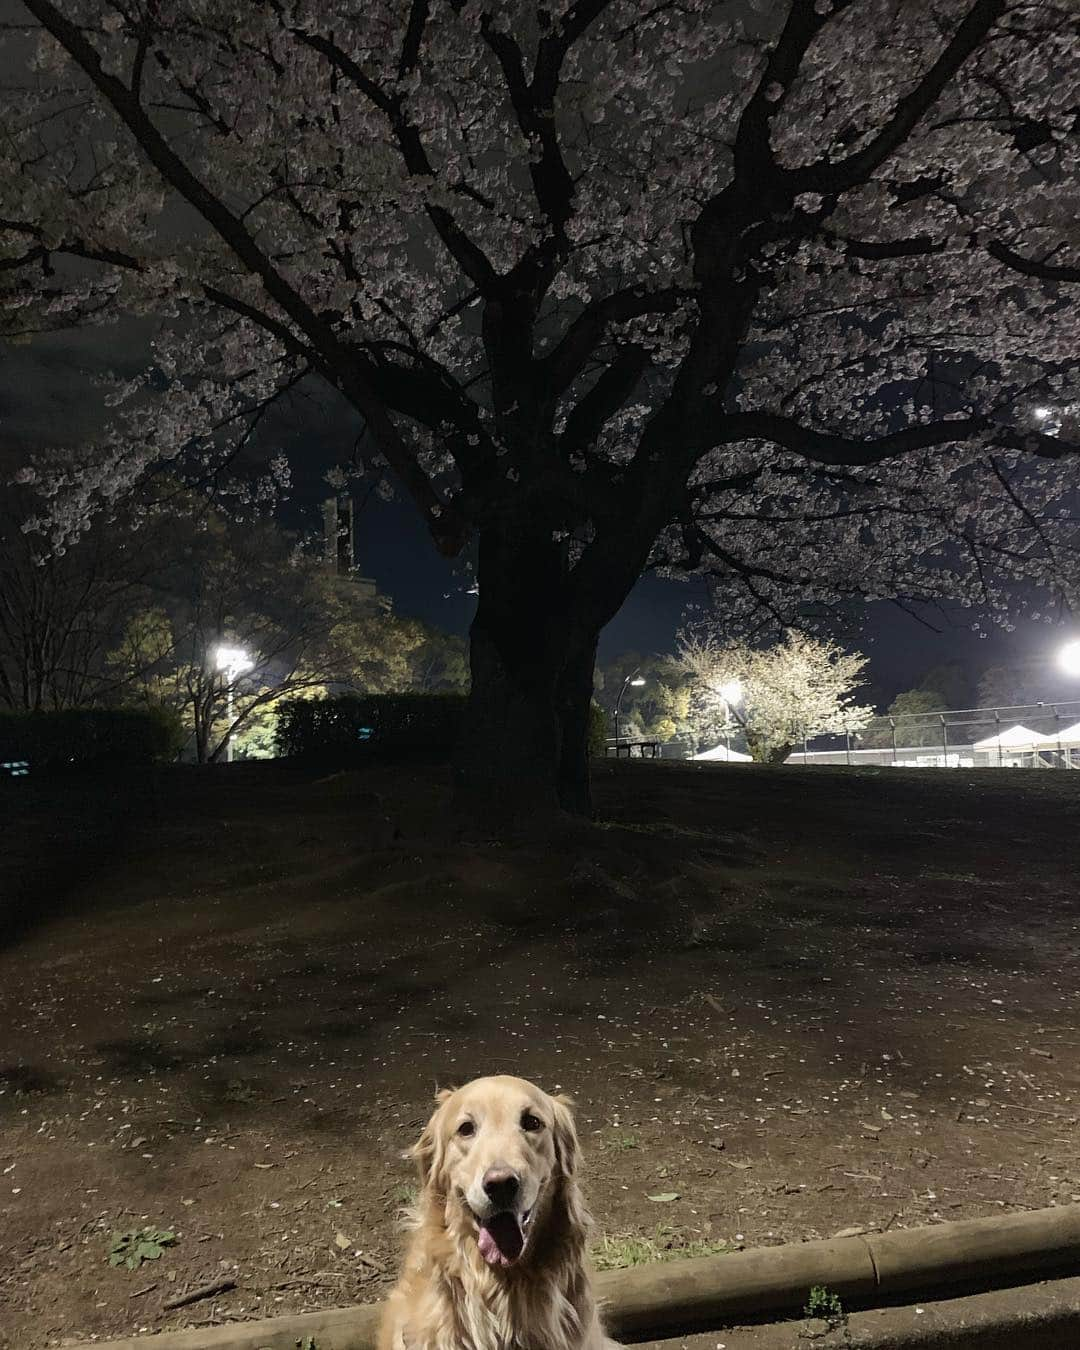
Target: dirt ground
{"points": [[788, 1002]]}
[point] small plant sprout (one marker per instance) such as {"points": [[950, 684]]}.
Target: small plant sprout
{"points": [[825, 1305], [137, 1245]]}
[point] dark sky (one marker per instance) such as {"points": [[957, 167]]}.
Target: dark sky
{"points": [[49, 396]]}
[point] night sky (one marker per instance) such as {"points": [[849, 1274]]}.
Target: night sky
{"points": [[50, 395]]}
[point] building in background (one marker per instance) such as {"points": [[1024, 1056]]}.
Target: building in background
{"points": [[339, 539]]}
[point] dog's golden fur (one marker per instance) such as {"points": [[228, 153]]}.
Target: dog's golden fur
{"points": [[449, 1297]]}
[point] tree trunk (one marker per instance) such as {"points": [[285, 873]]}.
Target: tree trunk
{"points": [[523, 757], [574, 697], [765, 752]]}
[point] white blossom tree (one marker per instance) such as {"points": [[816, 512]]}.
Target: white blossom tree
{"points": [[775, 290], [777, 696]]}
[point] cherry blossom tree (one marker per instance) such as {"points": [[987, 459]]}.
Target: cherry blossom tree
{"points": [[776, 290], [775, 696]]}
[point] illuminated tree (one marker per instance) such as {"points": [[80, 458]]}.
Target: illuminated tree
{"points": [[776, 696], [773, 291]]}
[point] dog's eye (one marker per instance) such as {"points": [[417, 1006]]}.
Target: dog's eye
{"points": [[466, 1128], [530, 1122]]}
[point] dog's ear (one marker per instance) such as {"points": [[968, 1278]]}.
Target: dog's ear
{"points": [[567, 1160], [427, 1151], [565, 1135]]}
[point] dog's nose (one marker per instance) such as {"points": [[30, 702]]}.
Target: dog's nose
{"points": [[501, 1186]]}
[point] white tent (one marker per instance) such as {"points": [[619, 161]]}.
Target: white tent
{"points": [[1068, 738], [1015, 738], [721, 752]]}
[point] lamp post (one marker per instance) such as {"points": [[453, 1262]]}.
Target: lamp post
{"points": [[634, 678], [730, 692], [232, 662]]}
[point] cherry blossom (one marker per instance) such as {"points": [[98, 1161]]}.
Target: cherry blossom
{"points": [[767, 292]]}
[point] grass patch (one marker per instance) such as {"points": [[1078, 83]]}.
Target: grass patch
{"points": [[404, 1196], [618, 1251], [623, 1143]]}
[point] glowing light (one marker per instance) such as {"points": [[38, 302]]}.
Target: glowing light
{"points": [[731, 692], [232, 660], [1069, 659], [1042, 414]]}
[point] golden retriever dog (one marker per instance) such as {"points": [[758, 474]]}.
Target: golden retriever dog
{"points": [[497, 1256]]}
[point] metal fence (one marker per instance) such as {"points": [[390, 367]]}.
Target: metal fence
{"points": [[1030, 735]]}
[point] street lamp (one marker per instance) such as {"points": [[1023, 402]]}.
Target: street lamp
{"points": [[232, 662], [635, 679], [730, 692], [1069, 658]]}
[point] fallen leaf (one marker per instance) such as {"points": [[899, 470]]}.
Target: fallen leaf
{"points": [[664, 1199], [342, 1241]]}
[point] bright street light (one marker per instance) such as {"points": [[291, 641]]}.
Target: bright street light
{"points": [[1069, 658], [233, 661], [637, 683], [732, 691], [1042, 414]]}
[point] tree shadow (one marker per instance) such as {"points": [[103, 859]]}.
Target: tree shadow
{"points": [[19, 1081]]}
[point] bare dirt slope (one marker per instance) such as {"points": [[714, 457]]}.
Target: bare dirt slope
{"points": [[788, 1002]]}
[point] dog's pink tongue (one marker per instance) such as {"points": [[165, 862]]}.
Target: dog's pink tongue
{"points": [[500, 1239]]}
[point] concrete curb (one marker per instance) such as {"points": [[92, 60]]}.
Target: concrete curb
{"points": [[718, 1290], [1029, 1317], [679, 1296]]}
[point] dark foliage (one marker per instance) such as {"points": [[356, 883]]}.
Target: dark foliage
{"points": [[355, 725], [76, 738]]}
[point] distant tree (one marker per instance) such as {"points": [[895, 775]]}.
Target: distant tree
{"points": [[949, 681], [658, 707], [777, 696], [768, 291], [251, 587], [912, 725], [1014, 685], [60, 610], [305, 630]]}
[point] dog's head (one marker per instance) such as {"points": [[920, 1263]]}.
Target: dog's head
{"points": [[498, 1158]]}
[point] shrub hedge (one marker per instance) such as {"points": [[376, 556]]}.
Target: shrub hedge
{"points": [[355, 724], [598, 729], [90, 737]]}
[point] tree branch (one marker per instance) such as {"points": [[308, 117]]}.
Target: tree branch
{"points": [[1044, 271], [857, 168], [611, 390], [566, 359], [828, 448], [472, 260], [337, 361]]}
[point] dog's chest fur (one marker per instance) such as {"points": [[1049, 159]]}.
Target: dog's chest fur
{"points": [[493, 1314], [474, 1310]]}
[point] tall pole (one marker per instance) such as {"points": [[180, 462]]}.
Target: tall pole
{"points": [[228, 718], [618, 704]]}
